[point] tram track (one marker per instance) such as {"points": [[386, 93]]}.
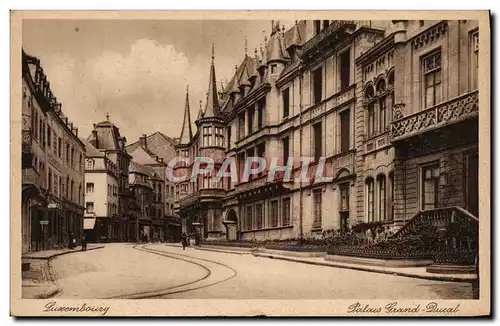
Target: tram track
{"points": [[207, 280]]}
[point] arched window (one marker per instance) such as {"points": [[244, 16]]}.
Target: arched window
{"points": [[90, 164], [382, 197], [369, 199], [390, 201], [382, 105], [370, 108]]}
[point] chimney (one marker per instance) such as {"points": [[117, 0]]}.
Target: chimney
{"points": [[143, 141], [76, 132]]}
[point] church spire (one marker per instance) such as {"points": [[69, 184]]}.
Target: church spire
{"points": [[212, 107], [186, 132]]}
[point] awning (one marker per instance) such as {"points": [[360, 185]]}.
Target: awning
{"points": [[88, 223]]}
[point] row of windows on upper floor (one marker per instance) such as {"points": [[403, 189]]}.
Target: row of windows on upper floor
{"points": [[48, 140]]}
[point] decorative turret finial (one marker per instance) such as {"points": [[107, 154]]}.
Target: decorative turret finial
{"points": [[235, 68], [272, 26], [296, 22], [283, 30], [107, 116], [255, 52], [200, 105], [187, 88], [213, 53], [246, 46]]}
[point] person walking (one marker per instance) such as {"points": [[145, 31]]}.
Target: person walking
{"points": [[84, 242], [184, 240]]}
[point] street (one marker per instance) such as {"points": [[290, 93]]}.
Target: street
{"points": [[167, 272]]}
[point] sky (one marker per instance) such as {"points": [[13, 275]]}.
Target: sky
{"points": [[137, 70]]}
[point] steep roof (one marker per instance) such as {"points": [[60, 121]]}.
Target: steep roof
{"points": [[135, 167], [158, 144], [107, 136], [212, 106], [90, 150], [186, 131]]}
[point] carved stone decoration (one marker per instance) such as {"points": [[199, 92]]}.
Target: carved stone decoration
{"points": [[430, 35], [452, 111], [397, 111]]}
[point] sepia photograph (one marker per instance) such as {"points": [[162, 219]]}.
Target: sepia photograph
{"points": [[231, 163]]}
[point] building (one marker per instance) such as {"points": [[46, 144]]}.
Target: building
{"points": [[52, 162], [381, 102], [154, 152], [113, 224], [101, 193], [141, 183]]}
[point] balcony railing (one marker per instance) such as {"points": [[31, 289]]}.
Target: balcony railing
{"points": [[326, 35], [452, 111]]}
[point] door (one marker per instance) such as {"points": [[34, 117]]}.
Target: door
{"points": [[472, 186]]}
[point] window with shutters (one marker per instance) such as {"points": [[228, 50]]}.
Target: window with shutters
{"points": [[317, 203], [345, 130], [382, 200], [274, 213], [259, 217], [370, 199], [285, 211], [432, 79], [248, 217], [429, 196]]}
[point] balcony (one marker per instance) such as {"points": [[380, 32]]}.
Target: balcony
{"points": [[452, 111], [333, 33], [31, 177]]}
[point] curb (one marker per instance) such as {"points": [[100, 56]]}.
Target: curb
{"points": [[364, 269], [228, 251], [60, 254]]}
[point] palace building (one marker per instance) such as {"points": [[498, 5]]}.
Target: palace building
{"points": [[391, 106]]}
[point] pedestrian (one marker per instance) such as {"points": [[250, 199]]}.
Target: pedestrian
{"points": [[184, 240], [84, 242], [72, 241]]}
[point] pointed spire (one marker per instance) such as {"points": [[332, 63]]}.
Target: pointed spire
{"points": [[212, 107], [186, 135], [246, 46], [200, 111]]}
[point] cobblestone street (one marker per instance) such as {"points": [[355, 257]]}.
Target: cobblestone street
{"points": [[122, 271]]}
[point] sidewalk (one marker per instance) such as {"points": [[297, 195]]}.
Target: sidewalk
{"points": [[39, 282], [415, 272], [49, 254], [315, 258]]}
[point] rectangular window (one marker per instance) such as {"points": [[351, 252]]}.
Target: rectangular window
{"points": [[241, 125], [345, 69], [274, 213], [251, 112], [390, 201], [49, 137], [72, 157], [228, 137], [49, 186], [285, 210], [89, 187], [382, 124], [474, 53], [248, 217], [371, 119], [261, 105], [219, 137], [261, 152], [317, 27], [344, 197], [432, 79], [318, 141], [67, 153], [273, 69], [286, 102], [345, 130], [207, 137], [259, 216], [430, 186], [317, 200], [90, 207], [326, 23], [317, 85], [286, 149]]}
